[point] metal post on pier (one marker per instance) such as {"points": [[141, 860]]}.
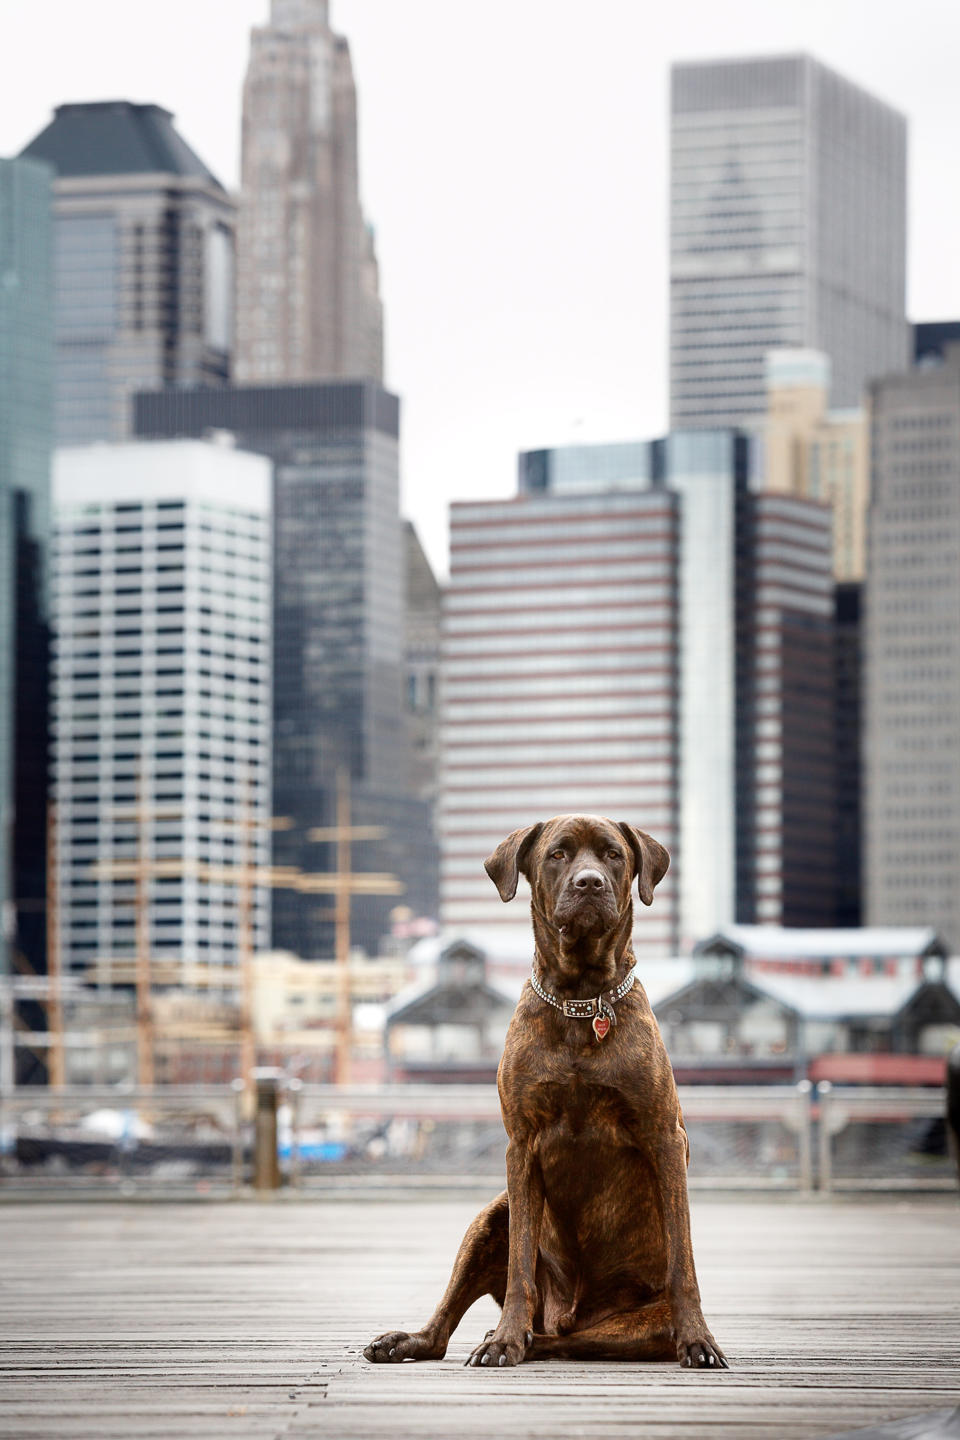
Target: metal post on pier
{"points": [[266, 1164], [294, 1088], [239, 1089], [825, 1136], [804, 1141], [7, 1043], [953, 1104]]}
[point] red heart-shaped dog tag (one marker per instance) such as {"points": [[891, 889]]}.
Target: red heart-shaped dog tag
{"points": [[601, 1025]]}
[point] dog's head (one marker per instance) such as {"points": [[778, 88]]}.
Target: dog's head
{"points": [[581, 869]]}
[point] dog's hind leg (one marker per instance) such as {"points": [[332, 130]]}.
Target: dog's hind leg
{"points": [[479, 1269], [644, 1334]]}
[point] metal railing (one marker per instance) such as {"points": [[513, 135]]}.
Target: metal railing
{"points": [[792, 1136], [768, 1128], [736, 1112], [167, 1134], [893, 1138]]}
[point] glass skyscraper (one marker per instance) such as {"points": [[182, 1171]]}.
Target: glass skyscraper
{"points": [[787, 227], [26, 431], [144, 246], [338, 624]]}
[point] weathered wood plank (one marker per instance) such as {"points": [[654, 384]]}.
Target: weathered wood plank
{"points": [[141, 1321]]}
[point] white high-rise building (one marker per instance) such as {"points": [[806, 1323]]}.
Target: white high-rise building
{"points": [[788, 221], [161, 692]]}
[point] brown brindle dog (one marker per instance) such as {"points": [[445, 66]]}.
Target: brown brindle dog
{"points": [[588, 1250]]}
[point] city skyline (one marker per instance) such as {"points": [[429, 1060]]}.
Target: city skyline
{"points": [[699, 626], [498, 362]]}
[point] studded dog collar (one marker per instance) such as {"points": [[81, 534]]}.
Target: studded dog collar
{"points": [[599, 1009]]}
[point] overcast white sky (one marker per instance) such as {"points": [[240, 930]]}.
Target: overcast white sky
{"points": [[514, 163]]}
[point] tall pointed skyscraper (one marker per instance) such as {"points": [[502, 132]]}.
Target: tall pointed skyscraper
{"points": [[308, 296]]}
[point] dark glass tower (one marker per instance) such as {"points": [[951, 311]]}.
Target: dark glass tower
{"points": [[338, 631], [26, 432], [143, 264], [849, 793]]}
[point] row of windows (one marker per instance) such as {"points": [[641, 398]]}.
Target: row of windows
{"points": [[708, 177], [921, 422], [130, 736], [921, 718], [86, 787], [931, 880], [108, 682], [941, 577], [232, 586], [88, 613], [128, 659], [91, 566], [133, 538], [247, 637], [734, 351], [721, 287], [89, 833], [146, 510], [109, 687]]}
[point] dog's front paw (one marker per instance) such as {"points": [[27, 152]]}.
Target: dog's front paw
{"points": [[499, 1349], [701, 1352], [397, 1345]]}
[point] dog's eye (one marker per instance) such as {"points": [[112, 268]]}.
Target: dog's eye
{"points": [[614, 855], [558, 855]]}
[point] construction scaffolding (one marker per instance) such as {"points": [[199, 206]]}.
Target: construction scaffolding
{"points": [[214, 1003]]}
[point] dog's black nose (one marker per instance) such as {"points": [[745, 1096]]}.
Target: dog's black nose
{"points": [[589, 880]]}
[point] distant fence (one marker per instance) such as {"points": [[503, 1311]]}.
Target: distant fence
{"points": [[124, 1139], [202, 1139], [882, 1137], [744, 1135]]}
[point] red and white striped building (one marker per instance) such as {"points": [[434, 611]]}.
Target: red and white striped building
{"points": [[559, 682], [638, 635]]}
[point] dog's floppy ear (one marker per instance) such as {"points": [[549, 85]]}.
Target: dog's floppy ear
{"points": [[650, 859], [507, 862]]}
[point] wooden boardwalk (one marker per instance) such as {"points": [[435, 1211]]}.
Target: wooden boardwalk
{"points": [[247, 1319]]}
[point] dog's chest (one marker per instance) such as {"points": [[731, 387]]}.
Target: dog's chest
{"points": [[578, 1105], [589, 1148]]}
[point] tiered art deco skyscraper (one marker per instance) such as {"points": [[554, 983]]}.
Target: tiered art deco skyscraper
{"points": [[308, 298]]}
